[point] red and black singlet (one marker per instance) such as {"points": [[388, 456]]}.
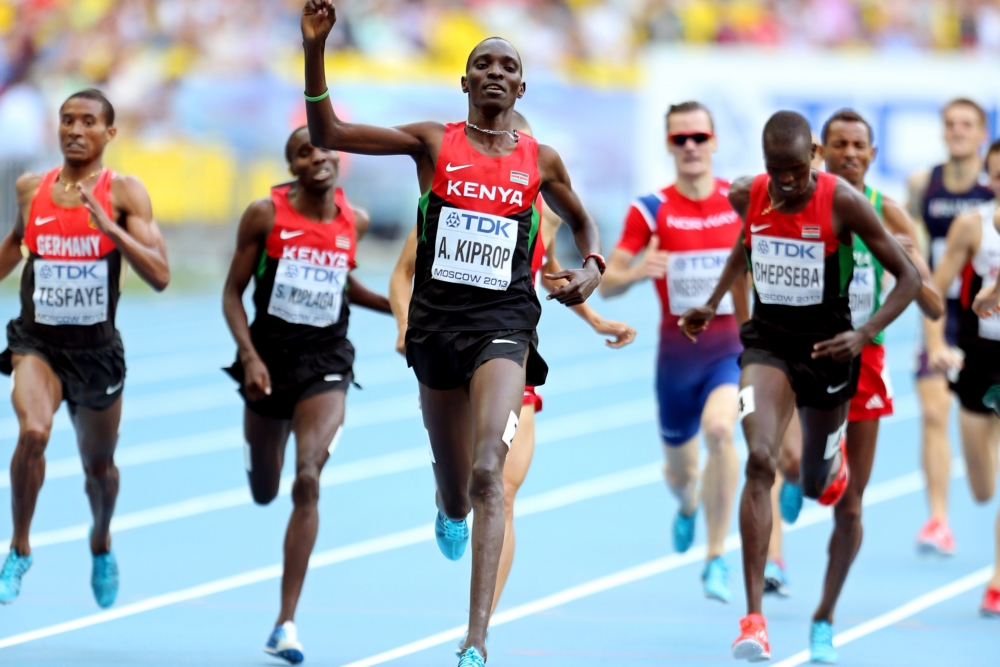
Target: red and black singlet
{"points": [[300, 283], [476, 232], [801, 271], [70, 283]]}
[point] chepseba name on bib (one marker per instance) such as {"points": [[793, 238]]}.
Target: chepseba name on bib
{"points": [[788, 272], [72, 292], [474, 248], [862, 294], [305, 293], [691, 278]]}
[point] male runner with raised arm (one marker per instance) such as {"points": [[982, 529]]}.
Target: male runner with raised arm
{"points": [[471, 339], [799, 347], [687, 231], [78, 222], [972, 254], [935, 198], [294, 363]]}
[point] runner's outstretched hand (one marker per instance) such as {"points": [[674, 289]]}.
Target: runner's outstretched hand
{"points": [[256, 379], [582, 283], [318, 18], [987, 301], [941, 359], [695, 320], [654, 262], [623, 333], [97, 212], [841, 348]]}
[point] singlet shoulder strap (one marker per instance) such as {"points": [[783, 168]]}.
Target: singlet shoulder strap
{"points": [[875, 197], [346, 212]]}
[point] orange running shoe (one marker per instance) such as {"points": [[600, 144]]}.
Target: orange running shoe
{"points": [[752, 643], [936, 538], [991, 602], [835, 490]]}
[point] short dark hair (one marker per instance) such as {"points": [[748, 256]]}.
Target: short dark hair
{"points": [[847, 116], [787, 127], [688, 107], [288, 143], [97, 96], [468, 61], [965, 102], [994, 149]]}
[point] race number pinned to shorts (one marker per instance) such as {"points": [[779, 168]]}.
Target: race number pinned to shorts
{"points": [[305, 293], [788, 272], [71, 292], [989, 327], [474, 249], [745, 402], [692, 277], [508, 432], [833, 442]]}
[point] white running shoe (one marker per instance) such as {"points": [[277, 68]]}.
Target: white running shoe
{"points": [[284, 643]]}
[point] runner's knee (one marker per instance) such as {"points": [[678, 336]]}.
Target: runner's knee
{"points": [[982, 489], [33, 440], [718, 432], [814, 479], [935, 414], [761, 466], [486, 481], [264, 488], [98, 467], [848, 510], [305, 489]]}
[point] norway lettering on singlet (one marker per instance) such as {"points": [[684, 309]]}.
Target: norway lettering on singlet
{"points": [[975, 331], [801, 271], [302, 275], [477, 230], [866, 286], [69, 288], [698, 236]]}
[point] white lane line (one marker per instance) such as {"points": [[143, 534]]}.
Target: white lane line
{"points": [[573, 493], [875, 494], [901, 613]]}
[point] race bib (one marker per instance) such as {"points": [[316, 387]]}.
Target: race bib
{"points": [[692, 277], [304, 293], [989, 327], [862, 295], [474, 249], [938, 247], [788, 272], [70, 292]]}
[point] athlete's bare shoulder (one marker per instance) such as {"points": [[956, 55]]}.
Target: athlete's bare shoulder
{"points": [[27, 184], [896, 220], [362, 221], [739, 194], [129, 194], [257, 221], [550, 164], [917, 182]]}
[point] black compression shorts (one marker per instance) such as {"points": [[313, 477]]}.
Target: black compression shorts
{"points": [[91, 377], [447, 359], [980, 371]]}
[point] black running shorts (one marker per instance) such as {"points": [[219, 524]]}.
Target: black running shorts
{"points": [[980, 371], [91, 377], [447, 359], [823, 383], [298, 374]]}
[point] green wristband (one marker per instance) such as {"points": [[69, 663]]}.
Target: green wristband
{"points": [[318, 98]]}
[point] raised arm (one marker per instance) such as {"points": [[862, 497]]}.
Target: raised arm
{"points": [[329, 131], [139, 241], [254, 227], [559, 195], [401, 287], [902, 228], [855, 214]]}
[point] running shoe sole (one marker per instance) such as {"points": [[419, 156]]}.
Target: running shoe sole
{"points": [[931, 549], [986, 613], [750, 650], [293, 656]]}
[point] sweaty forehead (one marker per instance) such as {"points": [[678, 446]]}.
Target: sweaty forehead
{"points": [[82, 106], [788, 150], [495, 48]]}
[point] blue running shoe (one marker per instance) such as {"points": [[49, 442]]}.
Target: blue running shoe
{"points": [[284, 643], [472, 658], [104, 579], [775, 580], [790, 501], [684, 531], [715, 578], [452, 536], [10, 576], [821, 643]]}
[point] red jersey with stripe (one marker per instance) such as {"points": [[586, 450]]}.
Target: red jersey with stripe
{"points": [[699, 236], [801, 271], [302, 275], [70, 284], [477, 228]]}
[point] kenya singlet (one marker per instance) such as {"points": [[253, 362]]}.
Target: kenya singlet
{"points": [[476, 232], [801, 271], [981, 333], [866, 285], [70, 283], [302, 275]]}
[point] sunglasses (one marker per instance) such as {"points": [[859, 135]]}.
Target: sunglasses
{"points": [[680, 140]]}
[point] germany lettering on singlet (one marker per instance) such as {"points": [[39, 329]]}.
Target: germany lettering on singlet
{"points": [[302, 275], [70, 284], [477, 229]]}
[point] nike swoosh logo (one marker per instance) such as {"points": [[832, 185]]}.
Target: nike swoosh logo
{"points": [[115, 387], [756, 228], [834, 390], [41, 221], [450, 168], [501, 340], [285, 234]]}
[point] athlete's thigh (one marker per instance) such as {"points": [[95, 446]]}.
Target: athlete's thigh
{"points": [[820, 436], [861, 439], [522, 449], [97, 430], [720, 406], [791, 448], [935, 396], [496, 393], [264, 453], [682, 457], [316, 421], [448, 421], [765, 405], [980, 435], [36, 391]]}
